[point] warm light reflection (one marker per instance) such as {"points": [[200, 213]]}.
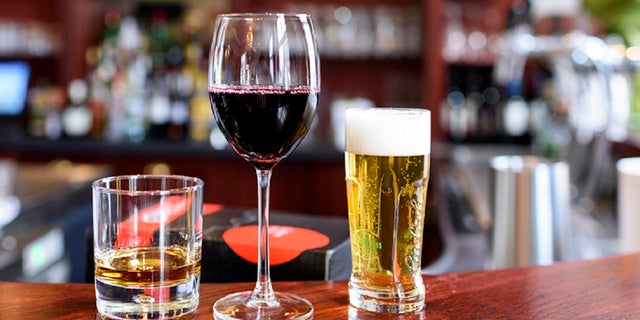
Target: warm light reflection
{"points": [[60, 166], [633, 53], [157, 168]]}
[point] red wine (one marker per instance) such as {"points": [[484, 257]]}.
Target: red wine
{"points": [[263, 125]]}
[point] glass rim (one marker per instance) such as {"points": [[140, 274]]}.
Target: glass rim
{"points": [[102, 184], [629, 166], [254, 15]]}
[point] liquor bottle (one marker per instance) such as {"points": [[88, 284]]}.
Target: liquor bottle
{"points": [[200, 115], [457, 117], [473, 102], [488, 115], [77, 118], [159, 109], [519, 14], [515, 115], [97, 104]]}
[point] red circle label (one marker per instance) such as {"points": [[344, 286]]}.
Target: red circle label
{"points": [[285, 242]]}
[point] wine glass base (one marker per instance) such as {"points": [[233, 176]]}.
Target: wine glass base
{"points": [[238, 306]]}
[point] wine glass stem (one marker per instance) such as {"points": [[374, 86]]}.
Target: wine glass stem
{"points": [[263, 293]]}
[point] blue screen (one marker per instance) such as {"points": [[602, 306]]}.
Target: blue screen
{"points": [[14, 83]]}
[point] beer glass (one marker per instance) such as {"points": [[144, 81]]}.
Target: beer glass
{"points": [[147, 232], [628, 202], [387, 157]]}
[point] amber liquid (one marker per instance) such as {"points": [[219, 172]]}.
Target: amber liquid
{"points": [[386, 201], [142, 267], [162, 282]]}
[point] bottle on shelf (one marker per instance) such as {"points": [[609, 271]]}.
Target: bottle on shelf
{"points": [[77, 117], [146, 77], [45, 103], [200, 116], [515, 115], [456, 115], [97, 100], [181, 89], [488, 115]]}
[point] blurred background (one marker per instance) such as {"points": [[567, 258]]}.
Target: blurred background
{"points": [[94, 87]]}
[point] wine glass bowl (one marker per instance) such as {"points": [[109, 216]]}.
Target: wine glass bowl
{"points": [[264, 82], [263, 125]]}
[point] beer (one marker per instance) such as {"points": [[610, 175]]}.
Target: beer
{"points": [[394, 183], [387, 173]]}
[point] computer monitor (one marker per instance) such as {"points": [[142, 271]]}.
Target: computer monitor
{"points": [[14, 84]]}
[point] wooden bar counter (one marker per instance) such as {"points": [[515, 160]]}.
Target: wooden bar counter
{"points": [[606, 288]]}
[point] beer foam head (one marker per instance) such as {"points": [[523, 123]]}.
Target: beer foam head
{"points": [[388, 131]]}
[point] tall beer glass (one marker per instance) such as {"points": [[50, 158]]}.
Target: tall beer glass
{"points": [[387, 155]]}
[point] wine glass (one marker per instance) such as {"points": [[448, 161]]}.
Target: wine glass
{"points": [[264, 81]]}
